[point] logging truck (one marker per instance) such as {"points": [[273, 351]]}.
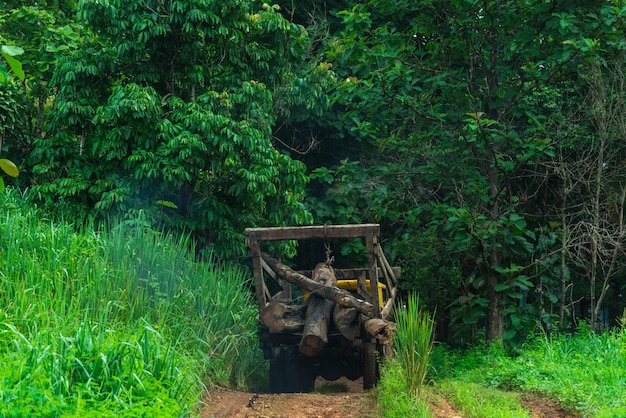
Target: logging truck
{"points": [[325, 321]]}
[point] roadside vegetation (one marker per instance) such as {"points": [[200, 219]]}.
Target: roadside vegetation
{"points": [[585, 372], [118, 323]]}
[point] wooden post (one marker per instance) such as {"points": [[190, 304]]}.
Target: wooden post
{"points": [[259, 283], [371, 244]]}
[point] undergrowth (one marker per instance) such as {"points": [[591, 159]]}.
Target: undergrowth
{"points": [[585, 371], [119, 322]]}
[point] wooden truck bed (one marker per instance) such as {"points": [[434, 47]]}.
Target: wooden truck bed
{"points": [[326, 321]]}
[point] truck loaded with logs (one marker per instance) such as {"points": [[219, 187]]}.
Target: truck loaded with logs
{"points": [[323, 322]]}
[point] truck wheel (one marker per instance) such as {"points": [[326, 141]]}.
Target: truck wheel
{"points": [[370, 365], [277, 373], [307, 378], [299, 375], [292, 370]]}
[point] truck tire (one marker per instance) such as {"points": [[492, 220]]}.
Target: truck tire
{"points": [[277, 372], [307, 378], [370, 365], [298, 373], [291, 370]]}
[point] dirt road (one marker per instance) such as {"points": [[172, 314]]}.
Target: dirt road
{"points": [[346, 400]]}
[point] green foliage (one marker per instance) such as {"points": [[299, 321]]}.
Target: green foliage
{"points": [[477, 401], [395, 399], [584, 371], [126, 322], [414, 342], [9, 53], [43, 33], [453, 112], [171, 111]]}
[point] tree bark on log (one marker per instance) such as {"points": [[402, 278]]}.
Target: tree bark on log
{"points": [[279, 316], [318, 312], [378, 328], [334, 294], [347, 321]]}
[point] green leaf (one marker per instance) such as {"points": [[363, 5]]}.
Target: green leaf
{"points": [[3, 74], [167, 204], [8, 52], [16, 66], [11, 50], [1, 185], [8, 167], [501, 287]]}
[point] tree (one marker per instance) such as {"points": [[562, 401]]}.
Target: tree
{"points": [[9, 53], [593, 189], [460, 98], [43, 32], [168, 107]]}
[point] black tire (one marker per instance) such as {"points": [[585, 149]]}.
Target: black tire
{"points": [[299, 373], [370, 365], [277, 373], [307, 377], [292, 370]]}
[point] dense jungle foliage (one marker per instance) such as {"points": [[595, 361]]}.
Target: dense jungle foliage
{"points": [[486, 137]]}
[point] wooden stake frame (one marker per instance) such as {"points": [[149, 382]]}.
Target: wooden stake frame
{"points": [[376, 260]]}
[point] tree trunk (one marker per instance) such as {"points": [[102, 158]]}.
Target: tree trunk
{"points": [[378, 328], [334, 294], [279, 316], [318, 312], [347, 321], [495, 320]]}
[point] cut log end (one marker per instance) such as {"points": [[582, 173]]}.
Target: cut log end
{"points": [[378, 329], [311, 345]]}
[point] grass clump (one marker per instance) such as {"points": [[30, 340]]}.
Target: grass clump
{"points": [[125, 322], [400, 387], [414, 342], [395, 399]]}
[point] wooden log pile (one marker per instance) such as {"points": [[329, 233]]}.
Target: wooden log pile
{"points": [[325, 306]]}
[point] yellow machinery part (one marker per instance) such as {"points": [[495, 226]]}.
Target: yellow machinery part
{"points": [[353, 285]]}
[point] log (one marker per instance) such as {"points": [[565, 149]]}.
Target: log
{"points": [[347, 321], [388, 310], [315, 332], [280, 316], [377, 328], [334, 294]]}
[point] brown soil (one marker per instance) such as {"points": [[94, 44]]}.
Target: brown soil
{"points": [[347, 400], [544, 408], [441, 408]]}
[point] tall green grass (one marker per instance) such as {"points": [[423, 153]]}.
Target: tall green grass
{"points": [[399, 392], [126, 321], [413, 342], [395, 399], [477, 401], [585, 371]]}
